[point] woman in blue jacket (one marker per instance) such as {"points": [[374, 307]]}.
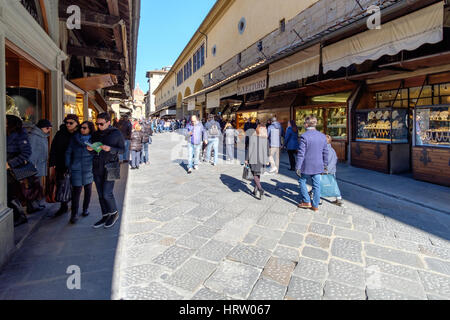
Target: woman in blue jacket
{"points": [[291, 143], [79, 161]]}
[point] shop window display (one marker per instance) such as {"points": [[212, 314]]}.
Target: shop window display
{"points": [[382, 125], [26, 103], [432, 126], [331, 121], [73, 103]]}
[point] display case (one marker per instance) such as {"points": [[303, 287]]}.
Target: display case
{"points": [[337, 123], [432, 126], [388, 125], [301, 114]]}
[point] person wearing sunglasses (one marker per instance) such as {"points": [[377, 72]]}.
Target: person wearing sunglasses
{"points": [[58, 150], [79, 161], [113, 144]]}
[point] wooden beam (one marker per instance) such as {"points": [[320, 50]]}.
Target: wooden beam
{"points": [[97, 70], [44, 15], [93, 19], [94, 53]]}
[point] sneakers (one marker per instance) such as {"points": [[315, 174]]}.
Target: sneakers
{"points": [[101, 222], [195, 167], [273, 170], [338, 202], [304, 205], [85, 213], [112, 219], [314, 209], [189, 171]]}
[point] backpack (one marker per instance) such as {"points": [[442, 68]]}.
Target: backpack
{"points": [[214, 130]]}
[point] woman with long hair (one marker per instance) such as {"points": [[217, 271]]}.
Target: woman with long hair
{"points": [[258, 156], [291, 143], [18, 153], [230, 136], [79, 161]]}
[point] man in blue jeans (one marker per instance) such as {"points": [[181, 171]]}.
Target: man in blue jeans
{"points": [[213, 131], [312, 161], [196, 134]]}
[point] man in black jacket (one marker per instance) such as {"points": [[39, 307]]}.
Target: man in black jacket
{"points": [[125, 127], [113, 145], [57, 161]]}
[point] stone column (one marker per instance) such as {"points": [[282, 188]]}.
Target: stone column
{"points": [[6, 214]]}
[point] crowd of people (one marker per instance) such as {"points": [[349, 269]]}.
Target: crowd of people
{"points": [[79, 153], [259, 146]]}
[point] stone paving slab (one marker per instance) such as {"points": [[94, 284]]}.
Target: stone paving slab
{"points": [[302, 289], [268, 290], [192, 274], [393, 255], [214, 250], [279, 270], [173, 257], [338, 291], [311, 269], [250, 255]]}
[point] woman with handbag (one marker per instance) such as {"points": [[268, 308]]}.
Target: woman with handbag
{"points": [[79, 161], [106, 168], [57, 160], [258, 156], [18, 152]]}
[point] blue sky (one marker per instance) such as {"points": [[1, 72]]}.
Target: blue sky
{"points": [[166, 26]]}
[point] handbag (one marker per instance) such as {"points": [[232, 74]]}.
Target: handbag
{"points": [[31, 189], [24, 171], [64, 189], [329, 186], [247, 174], [112, 171]]}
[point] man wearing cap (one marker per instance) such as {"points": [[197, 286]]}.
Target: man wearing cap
{"points": [[38, 138], [60, 144]]}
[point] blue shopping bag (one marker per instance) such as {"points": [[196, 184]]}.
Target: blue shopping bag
{"points": [[329, 186]]}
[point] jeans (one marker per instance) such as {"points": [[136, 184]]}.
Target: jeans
{"points": [[316, 189], [144, 153], [274, 158], [230, 151], [76, 194], [105, 194], [194, 154], [212, 143], [126, 155], [135, 158]]}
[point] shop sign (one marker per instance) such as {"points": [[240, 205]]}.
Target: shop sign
{"points": [[252, 84], [191, 104], [213, 100]]}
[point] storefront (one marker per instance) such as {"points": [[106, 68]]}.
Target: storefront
{"points": [[75, 101]]}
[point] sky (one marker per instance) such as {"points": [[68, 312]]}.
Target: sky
{"points": [[166, 26]]}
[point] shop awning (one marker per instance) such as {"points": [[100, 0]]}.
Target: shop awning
{"points": [[191, 104], [229, 90], [253, 83], [279, 101], [301, 65], [406, 33], [96, 82], [213, 99]]}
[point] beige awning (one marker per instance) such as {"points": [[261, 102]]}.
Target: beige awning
{"points": [[201, 98], [406, 33], [299, 66], [96, 82], [253, 83], [229, 89], [191, 104], [213, 99]]}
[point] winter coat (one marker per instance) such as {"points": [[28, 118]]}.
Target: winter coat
{"points": [[125, 128], [275, 132], [110, 137], [79, 161], [258, 153], [58, 149], [146, 131], [199, 133], [136, 140], [291, 139], [39, 150], [332, 160], [18, 149], [209, 126], [312, 156]]}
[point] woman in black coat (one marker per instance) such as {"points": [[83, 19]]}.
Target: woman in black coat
{"points": [[258, 155], [18, 153]]}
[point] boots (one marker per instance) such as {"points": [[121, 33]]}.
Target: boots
{"points": [[261, 194], [73, 218], [19, 213]]}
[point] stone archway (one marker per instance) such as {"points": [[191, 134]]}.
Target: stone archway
{"points": [[198, 85], [187, 92]]}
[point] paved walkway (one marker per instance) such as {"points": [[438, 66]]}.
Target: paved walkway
{"points": [[38, 269], [203, 236]]}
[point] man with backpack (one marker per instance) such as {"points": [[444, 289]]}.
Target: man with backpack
{"points": [[213, 132]]}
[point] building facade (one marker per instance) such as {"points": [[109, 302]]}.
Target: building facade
{"points": [[374, 73], [154, 79]]}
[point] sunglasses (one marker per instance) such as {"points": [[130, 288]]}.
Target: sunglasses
{"points": [[84, 128], [70, 123], [100, 124]]}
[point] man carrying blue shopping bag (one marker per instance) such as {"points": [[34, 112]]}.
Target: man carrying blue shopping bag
{"points": [[312, 161]]}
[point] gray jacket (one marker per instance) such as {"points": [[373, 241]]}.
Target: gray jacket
{"points": [[209, 125], [39, 148], [332, 160]]}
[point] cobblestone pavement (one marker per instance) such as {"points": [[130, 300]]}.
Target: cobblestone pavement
{"points": [[204, 236]]}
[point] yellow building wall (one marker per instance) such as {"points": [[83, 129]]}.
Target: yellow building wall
{"points": [[262, 17]]}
